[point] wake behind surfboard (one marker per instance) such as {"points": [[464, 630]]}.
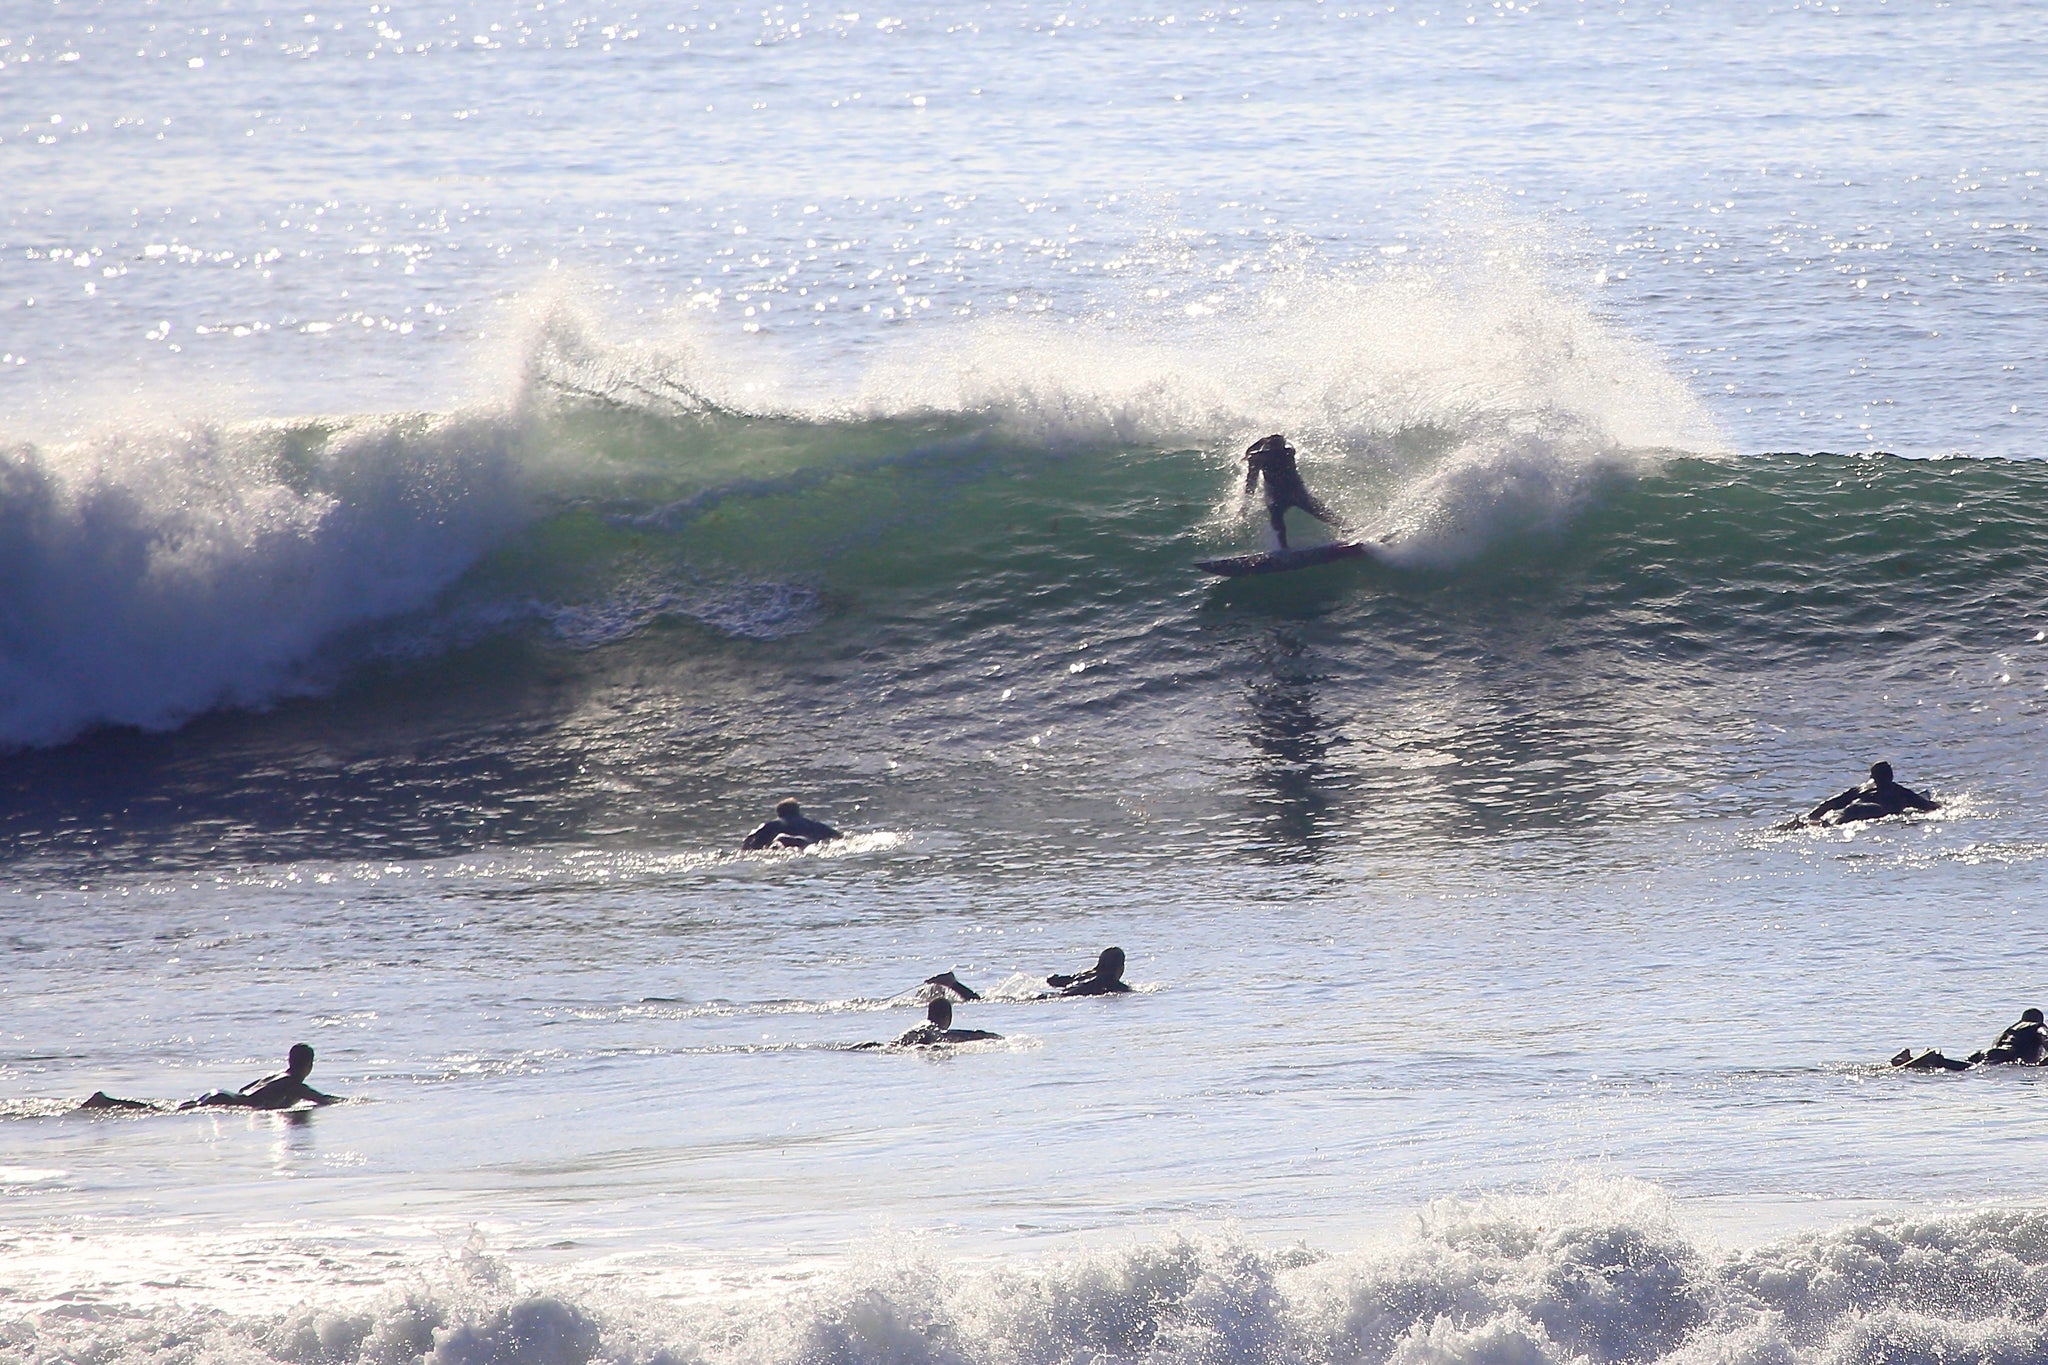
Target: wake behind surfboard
{"points": [[1282, 561]]}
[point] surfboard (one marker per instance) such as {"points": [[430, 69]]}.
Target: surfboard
{"points": [[1283, 561]]}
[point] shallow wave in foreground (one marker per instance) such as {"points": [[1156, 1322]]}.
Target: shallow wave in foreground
{"points": [[1596, 1271]]}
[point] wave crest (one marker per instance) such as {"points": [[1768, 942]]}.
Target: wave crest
{"points": [[162, 572], [1596, 1272]]}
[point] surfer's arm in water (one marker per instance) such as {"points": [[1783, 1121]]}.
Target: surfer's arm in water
{"points": [[272, 1092], [1834, 803], [761, 837], [969, 1035], [283, 1092]]}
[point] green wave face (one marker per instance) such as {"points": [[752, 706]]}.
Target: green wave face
{"points": [[937, 622], [940, 528], [614, 604]]}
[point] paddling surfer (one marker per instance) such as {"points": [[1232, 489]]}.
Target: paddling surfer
{"points": [[1872, 800], [1272, 458], [936, 1031], [2022, 1044], [790, 828], [285, 1090], [1106, 977], [281, 1091]]}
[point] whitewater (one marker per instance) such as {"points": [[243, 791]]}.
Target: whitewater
{"points": [[461, 464]]}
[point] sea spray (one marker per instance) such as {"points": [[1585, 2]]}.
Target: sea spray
{"points": [[158, 573], [1595, 1271]]}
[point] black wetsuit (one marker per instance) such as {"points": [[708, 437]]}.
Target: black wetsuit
{"points": [[931, 1035], [1284, 488], [2024, 1044], [1087, 983], [794, 831], [272, 1092], [1872, 800]]}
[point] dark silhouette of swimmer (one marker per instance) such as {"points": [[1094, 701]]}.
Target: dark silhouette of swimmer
{"points": [[936, 1031], [1272, 458], [948, 981], [1872, 800], [2023, 1044], [271, 1092], [1106, 977], [790, 828]]}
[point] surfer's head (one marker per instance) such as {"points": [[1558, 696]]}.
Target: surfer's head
{"points": [[787, 808], [1110, 966], [298, 1063], [2030, 1016], [1881, 772], [939, 1013]]}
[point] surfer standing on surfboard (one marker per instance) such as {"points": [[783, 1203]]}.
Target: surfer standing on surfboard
{"points": [[1274, 458]]}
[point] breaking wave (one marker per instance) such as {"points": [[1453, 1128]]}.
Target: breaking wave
{"points": [[1594, 1272], [1503, 440]]}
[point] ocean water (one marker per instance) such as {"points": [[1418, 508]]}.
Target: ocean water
{"points": [[460, 464]]}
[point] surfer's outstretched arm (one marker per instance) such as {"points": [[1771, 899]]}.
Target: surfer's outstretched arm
{"points": [[1834, 803]]}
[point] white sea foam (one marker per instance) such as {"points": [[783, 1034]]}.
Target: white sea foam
{"points": [[162, 571], [1596, 1270]]}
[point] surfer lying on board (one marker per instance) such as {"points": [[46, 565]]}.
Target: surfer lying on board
{"points": [[2023, 1044], [1106, 977], [790, 828], [936, 1031], [1872, 800], [281, 1091], [1272, 458]]}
